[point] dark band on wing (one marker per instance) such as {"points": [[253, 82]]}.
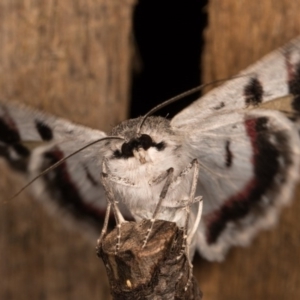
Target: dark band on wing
{"points": [[228, 155], [21, 150], [11, 149], [9, 133], [253, 92], [44, 130], [219, 106], [65, 192], [266, 167], [18, 164], [294, 83], [90, 177]]}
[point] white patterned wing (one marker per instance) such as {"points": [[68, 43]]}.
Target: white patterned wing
{"points": [[249, 157], [31, 141], [274, 76]]}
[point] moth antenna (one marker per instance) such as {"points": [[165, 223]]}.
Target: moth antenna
{"points": [[181, 96], [58, 163]]}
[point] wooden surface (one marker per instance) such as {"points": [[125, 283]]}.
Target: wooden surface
{"points": [[70, 58], [58, 55], [238, 34]]}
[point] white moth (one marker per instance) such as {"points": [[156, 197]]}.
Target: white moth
{"points": [[248, 157]]}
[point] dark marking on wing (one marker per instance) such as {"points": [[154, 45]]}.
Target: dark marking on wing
{"points": [[220, 106], [44, 130], [253, 92], [90, 177], [12, 150], [229, 156], [8, 131], [294, 83], [18, 164], [266, 167], [65, 192], [21, 150]]}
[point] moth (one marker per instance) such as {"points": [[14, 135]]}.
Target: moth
{"points": [[248, 157]]}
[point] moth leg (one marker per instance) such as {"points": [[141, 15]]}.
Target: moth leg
{"points": [[192, 165], [189, 240], [112, 203], [191, 199], [159, 178], [110, 194], [116, 179], [161, 198], [192, 232], [187, 237], [105, 224], [177, 180]]}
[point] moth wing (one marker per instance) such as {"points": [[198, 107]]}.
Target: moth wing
{"points": [[249, 165], [249, 157], [275, 76], [31, 141]]}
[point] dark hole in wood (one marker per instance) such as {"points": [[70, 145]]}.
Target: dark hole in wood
{"points": [[168, 38]]}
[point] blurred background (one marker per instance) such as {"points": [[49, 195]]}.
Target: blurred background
{"points": [[98, 62]]}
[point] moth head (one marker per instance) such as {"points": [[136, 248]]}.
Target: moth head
{"points": [[138, 147], [146, 146]]}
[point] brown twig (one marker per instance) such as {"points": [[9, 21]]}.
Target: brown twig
{"points": [[153, 272]]}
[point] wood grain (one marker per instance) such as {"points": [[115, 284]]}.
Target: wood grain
{"points": [[238, 34], [157, 271], [70, 58]]}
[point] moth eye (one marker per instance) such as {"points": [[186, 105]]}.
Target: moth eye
{"points": [[145, 141], [127, 149], [117, 153], [160, 146]]}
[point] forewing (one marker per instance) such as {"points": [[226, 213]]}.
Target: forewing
{"points": [[275, 76], [31, 141], [249, 164], [249, 157]]}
